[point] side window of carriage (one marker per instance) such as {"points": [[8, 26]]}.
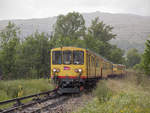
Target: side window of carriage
{"points": [[89, 60], [97, 63], [104, 66], [93, 61]]}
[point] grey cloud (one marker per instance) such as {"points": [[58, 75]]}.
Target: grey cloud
{"points": [[42, 8], [141, 7]]}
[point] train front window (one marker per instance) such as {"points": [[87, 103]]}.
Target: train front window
{"points": [[67, 57], [57, 57], [78, 57]]}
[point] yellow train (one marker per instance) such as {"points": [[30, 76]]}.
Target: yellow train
{"points": [[119, 70], [74, 69]]}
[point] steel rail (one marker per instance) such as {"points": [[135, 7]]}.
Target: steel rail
{"points": [[26, 97], [20, 105]]}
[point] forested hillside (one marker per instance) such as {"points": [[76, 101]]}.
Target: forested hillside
{"points": [[132, 30], [29, 57]]}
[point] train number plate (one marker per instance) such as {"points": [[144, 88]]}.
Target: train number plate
{"points": [[66, 68]]}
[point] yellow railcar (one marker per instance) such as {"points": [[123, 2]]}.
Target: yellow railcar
{"points": [[119, 70], [122, 69], [75, 68], [115, 69], [107, 69], [65, 63]]}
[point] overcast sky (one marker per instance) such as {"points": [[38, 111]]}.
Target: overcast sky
{"points": [[24, 9]]}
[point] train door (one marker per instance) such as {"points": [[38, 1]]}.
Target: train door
{"points": [[101, 68], [94, 59], [89, 65], [93, 66], [97, 68], [104, 69]]}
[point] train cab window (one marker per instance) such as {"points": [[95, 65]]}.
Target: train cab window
{"points": [[67, 57], [57, 57], [78, 57]]}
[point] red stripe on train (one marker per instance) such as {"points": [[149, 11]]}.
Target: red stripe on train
{"points": [[73, 77]]}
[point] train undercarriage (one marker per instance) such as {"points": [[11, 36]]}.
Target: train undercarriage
{"points": [[75, 85]]}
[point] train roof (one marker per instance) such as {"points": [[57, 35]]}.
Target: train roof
{"points": [[67, 47], [119, 64], [100, 56]]}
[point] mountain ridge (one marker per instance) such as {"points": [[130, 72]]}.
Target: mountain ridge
{"points": [[132, 30]]}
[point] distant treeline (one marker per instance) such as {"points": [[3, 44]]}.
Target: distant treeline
{"points": [[29, 57]]}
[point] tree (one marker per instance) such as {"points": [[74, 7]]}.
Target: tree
{"points": [[94, 45], [101, 31], [97, 39], [116, 55], [71, 25], [9, 42], [145, 63], [33, 56], [133, 57]]}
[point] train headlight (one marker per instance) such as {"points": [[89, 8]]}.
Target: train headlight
{"points": [[57, 70], [80, 70], [54, 70]]}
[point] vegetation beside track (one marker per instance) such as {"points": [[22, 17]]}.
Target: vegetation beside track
{"points": [[18, 88], [128, 95]]}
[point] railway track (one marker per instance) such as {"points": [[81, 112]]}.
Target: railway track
{"points": [[37, 103]]}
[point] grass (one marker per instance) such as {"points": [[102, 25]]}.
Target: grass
{"points": [[128, 95], [18, 88]]}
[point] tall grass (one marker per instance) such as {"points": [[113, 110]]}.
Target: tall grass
{"points": [[18, 88], [128, 95], [103, 93]]}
